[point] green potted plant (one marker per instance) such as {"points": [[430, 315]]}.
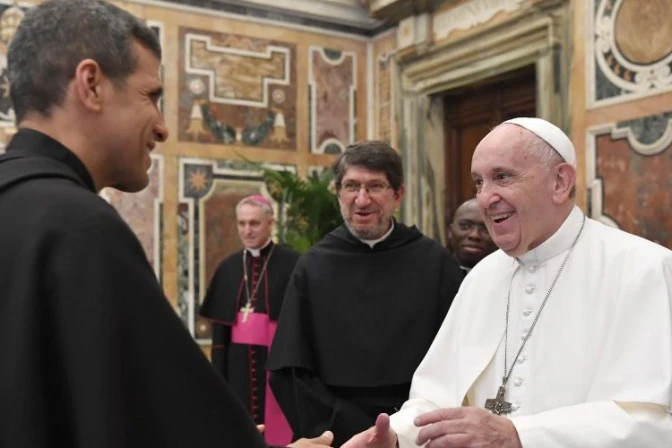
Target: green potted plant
{"points": [[308, 207]]}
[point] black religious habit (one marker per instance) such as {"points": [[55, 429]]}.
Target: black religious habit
{"points": [[244, 365], [355, 324], [93, 355]]}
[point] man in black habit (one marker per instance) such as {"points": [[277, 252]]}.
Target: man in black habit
{"points": [[243, 302], [93, 355], [371, 288]]}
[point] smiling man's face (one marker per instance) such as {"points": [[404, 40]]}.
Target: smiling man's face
{"points": [[514, 190], [367, 212], [468, 235]]}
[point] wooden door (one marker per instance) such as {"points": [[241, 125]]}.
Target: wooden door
{"points": [[470, 113]]}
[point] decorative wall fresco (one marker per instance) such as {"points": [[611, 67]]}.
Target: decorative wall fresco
{"points": [[237, 90], [630, 49], [206, 219], [143, 211], [628, 173], [332, 100]]}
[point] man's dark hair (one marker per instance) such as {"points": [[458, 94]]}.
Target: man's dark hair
{"points": [[55, 36], [374, 156]]}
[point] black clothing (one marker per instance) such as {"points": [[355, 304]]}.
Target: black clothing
{"points": [[93, 354], [244, 365], [356, 323]]}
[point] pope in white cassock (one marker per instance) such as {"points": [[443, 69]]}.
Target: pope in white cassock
{"points": [[563, 338]]}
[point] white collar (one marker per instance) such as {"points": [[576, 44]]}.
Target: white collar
{"points": [[559, 242], [255, 252], [372, 243]]}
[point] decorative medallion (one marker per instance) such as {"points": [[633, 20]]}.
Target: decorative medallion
{"points": [[632, 46]]}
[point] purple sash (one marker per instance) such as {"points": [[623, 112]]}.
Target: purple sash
{"points": [[259, 330]]}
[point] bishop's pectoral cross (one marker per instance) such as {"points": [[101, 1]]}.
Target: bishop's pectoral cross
{"points": [[498, 405], [247, 310]]}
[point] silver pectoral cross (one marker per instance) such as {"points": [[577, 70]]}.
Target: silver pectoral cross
{"points": [[498, 405], [246, 310]]}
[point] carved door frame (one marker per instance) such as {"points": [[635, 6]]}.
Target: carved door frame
{"points": [[536, 35]]}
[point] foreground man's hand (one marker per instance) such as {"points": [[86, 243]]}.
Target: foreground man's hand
{"points": [[379, 436], [466, 427], [324, 441]]}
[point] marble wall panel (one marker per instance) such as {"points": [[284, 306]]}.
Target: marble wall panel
{"points": [[384, 97], [237, 90], [629, 165], [332, 100], [143, 211], [384, 85], [630, 49]]}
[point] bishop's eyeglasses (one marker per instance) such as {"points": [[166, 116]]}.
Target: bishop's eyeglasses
{"points": [[371, 188]]}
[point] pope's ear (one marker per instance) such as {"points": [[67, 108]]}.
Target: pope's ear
{"points": [[564, 181]]}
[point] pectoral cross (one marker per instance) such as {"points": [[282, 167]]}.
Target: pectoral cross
{"points": [[498, 405], [246, 310]]}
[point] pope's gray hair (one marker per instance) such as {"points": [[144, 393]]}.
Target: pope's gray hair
{"points": [[547, 155]]}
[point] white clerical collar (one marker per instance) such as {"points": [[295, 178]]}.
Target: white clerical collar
{"points": [[559, 242], [256, 252], [372, 243]]}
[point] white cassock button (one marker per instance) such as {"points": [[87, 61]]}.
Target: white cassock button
{"points": [[531, 268], [522, 358], [524, 334], [518, 382], [527, 312], [529, 289]]}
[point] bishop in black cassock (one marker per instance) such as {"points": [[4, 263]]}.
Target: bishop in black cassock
{"points": [[243, 302]]}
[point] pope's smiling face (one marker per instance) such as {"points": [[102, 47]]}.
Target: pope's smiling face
{"points": [[515, 189]]}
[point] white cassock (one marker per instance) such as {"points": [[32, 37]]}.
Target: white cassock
{"points": [[597, 370]]}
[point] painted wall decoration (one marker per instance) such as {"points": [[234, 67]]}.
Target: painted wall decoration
{"points": [[143, 211], [630, 49], [628, 172], [332, 100], [10, 17], [237, 90], [207, 233]]}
